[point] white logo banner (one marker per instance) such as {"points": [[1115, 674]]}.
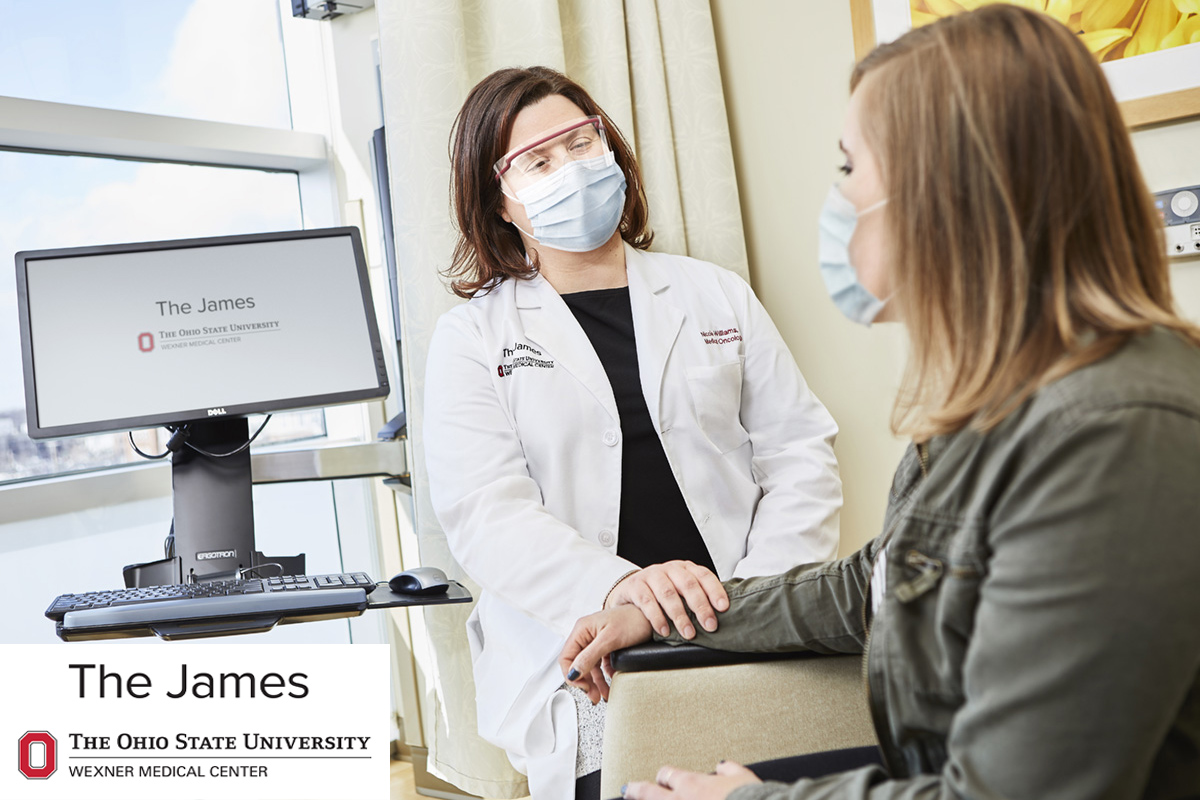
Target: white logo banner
{"points": [[195, 720]]}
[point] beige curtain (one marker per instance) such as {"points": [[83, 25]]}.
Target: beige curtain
{"points": [[652, 65]]}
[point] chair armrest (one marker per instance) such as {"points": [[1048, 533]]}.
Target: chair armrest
{"points": [[678, 706], [660, 655]]}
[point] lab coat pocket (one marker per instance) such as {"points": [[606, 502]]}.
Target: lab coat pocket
{"points": [[717, 399]]}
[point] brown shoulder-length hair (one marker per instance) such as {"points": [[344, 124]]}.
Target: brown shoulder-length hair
{"points": [[488, 249], [1025, 244]]}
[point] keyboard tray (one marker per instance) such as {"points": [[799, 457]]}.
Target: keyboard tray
{"points": [[384, 597], [200, 617], [267, 603]]}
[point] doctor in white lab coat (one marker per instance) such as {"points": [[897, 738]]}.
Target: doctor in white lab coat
{"points": [[524, 439]]}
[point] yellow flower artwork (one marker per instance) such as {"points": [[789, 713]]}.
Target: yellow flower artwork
{"points": [[1111, 29]]}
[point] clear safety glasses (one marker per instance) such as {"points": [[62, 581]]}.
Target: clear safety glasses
{"points": [[580, 141]]}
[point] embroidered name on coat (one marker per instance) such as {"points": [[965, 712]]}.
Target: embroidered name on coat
{"points": [[722, 336]]}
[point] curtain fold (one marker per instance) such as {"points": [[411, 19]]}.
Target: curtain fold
{"points": [[652, 65]]}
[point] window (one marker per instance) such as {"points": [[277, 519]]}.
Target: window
{"points": [[95, 171], [203, 63], [204, 59]]}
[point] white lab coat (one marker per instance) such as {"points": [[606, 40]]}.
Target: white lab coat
{"points": [[523, 451]]}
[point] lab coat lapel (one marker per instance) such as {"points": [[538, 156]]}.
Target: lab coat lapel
{"points": [[656, 325], [549, 324]]}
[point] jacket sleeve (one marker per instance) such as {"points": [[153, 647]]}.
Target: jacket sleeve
{"points": [[1087, 633], [817, 607], [792, 437], [485, 500]]}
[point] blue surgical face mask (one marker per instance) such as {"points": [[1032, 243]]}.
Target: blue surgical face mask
{"points": [[579, 209], [838, 221]]}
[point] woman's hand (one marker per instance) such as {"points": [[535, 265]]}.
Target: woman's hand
{"points": [[678, 784], [592, 639], [661, 590]]}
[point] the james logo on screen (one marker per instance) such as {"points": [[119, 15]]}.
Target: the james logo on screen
{"points": [[37, 755], [145, 342]]}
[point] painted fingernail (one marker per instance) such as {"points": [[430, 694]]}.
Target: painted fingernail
{"points": [[573, 675], [623, 787]]}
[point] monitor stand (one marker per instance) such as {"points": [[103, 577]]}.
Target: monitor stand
{"points": [[214, 514]]}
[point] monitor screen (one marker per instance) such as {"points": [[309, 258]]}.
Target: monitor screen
{"points": [[119, 337]]}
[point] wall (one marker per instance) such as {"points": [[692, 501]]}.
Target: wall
{"points": [[786, 69], [1170, 160]]}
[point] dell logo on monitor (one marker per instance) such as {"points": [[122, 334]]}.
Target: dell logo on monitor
{"points": [[216, 412], [211, 554]]}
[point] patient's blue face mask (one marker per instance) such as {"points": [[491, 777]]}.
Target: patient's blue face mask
{"points": [[838, 220]]}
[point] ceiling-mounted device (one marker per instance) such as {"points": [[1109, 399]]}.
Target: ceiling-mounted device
{"points": [[327, 9]]}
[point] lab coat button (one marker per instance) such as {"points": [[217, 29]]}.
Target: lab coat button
{"points": [[611, 438], [607, 538]]}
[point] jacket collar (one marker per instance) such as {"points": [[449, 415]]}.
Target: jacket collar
{"points": [[656, 324], [549, 324]]}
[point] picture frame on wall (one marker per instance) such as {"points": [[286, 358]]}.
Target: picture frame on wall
{"points": [[1153, 89]]}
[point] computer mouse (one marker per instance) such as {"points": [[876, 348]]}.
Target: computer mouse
{"points": [[420, 580]]}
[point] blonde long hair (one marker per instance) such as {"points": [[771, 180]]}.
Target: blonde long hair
{"points": [[1025, 242]]}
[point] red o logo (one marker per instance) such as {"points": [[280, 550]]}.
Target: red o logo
{"points": [[30, 754], [145, 342]]}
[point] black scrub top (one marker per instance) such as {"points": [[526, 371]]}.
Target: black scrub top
{"points": [[655, 524]]}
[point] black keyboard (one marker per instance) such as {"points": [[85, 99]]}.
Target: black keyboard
{"points": [[216, 608]]}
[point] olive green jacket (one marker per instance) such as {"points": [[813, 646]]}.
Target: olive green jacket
{"points": [[1039, 636]]}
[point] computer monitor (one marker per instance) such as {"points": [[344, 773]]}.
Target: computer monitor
{"points": [[193, 335]]}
